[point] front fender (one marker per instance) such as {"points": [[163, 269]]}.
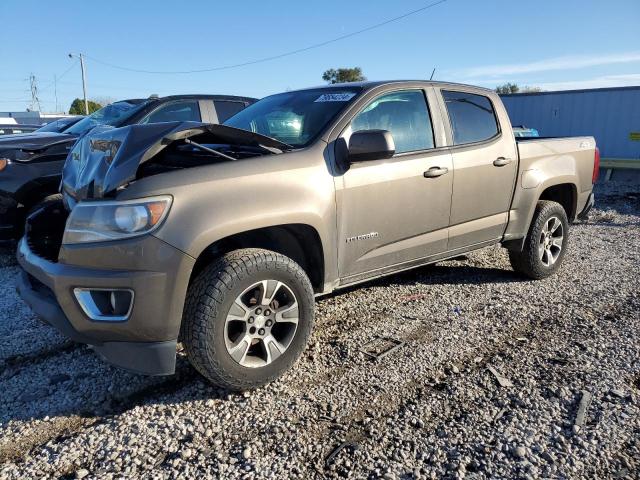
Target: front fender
{"points": [[216, 201]]}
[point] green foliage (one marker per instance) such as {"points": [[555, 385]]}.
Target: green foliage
{"points": [[515, 88], [343, 75], [77, 107], [507, 88]]}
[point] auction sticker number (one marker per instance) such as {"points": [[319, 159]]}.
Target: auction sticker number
{"points": [[335, 97]]}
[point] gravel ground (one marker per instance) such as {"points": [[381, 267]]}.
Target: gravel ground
{"points": [[564, 403]]}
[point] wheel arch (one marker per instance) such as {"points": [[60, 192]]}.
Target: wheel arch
{"points": [[566, 194], [298, 241], [561, 190], [36, 190]]}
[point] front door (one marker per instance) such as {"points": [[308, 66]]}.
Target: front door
{"points": [[389, 212]]}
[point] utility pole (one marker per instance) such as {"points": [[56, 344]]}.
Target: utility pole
{"points": [[84, 82], [55, 91], [35, 101]]}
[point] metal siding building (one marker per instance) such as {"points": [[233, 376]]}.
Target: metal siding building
{"points": [[608, 114]]}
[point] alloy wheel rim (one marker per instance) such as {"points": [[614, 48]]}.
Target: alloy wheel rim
{"points": [[261, 323], [551, 239]]}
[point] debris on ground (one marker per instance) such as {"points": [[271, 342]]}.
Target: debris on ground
{"points": [[503, 381]]}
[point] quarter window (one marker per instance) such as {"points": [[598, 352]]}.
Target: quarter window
{"points": [[404, 114], [472, 117]]}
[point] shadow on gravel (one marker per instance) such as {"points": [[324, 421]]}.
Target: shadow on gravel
{"points": [[442, 273], [72, 381], [7, 254], [85, 394]]}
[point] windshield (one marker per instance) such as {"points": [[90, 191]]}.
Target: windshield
{"points": [[295, 118], [58, 125], [113, 115]]}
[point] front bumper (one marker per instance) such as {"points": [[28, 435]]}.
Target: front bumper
{"points": [[157, 273]]}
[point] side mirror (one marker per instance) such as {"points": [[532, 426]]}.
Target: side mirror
{"points": [[371, 145]]}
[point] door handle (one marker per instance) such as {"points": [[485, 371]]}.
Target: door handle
{"points": [[434, 172], [501, 161]]}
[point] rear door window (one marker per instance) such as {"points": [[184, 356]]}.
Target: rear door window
{"points": [[472, 117], [227, 109], [404, 114], [181, 111]]}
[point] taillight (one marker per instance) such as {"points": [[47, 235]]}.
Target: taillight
{"points": [[596, 166]]}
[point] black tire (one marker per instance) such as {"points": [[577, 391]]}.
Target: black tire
{"points": [[209, 301], [529, 261], [22, 216], [45, 202]]}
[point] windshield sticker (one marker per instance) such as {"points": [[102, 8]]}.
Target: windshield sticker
{"points": [[335, 97]]}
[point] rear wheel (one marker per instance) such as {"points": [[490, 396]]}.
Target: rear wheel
{"points": [[546, 242], [247, 318]]}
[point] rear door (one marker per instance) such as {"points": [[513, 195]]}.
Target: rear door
{"points": [[389, 214], [485, 166]]}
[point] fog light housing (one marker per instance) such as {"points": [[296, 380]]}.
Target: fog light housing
{"points": [[105, 304]]}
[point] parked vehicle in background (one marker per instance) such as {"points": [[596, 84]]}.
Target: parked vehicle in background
{"points": [[31, 165], [220, 236], [61, 124], [17, 128], [521, 131]]}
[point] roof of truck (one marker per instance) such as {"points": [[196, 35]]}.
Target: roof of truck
{"points": [[207, 96], [367, 85]]}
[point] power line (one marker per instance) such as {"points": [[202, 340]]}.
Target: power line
{"points": [[57, 79], [273, 57]]}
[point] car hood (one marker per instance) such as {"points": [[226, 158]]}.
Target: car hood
{"points": [[32, 143], [108, 158]]}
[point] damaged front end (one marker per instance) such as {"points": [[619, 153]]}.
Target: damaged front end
{"points": [[109, 158]]}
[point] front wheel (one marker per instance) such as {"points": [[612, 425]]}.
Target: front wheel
{"points": [[247, 318], [546, 242]]}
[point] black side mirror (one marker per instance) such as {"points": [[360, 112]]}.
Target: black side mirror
{"points": [[371, 145]]}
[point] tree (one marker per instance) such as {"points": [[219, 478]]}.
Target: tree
{"points": [[104, 101], [507, 88], [515, 88], [343, 75], [77, 107]]}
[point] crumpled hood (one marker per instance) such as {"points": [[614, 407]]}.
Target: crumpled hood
{"points": [[108, 157], [36, 142]]}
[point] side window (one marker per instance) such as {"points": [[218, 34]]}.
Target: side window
{"points": [[174, 112], [473, 118], [227, 109], [404, 114]]}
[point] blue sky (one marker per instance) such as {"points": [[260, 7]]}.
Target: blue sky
{"points": [[548, 43]]}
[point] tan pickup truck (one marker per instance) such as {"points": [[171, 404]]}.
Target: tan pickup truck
{"points": [[220, 236]]}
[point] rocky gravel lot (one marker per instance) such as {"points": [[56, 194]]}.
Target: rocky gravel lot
{"points": [[497, 377]]}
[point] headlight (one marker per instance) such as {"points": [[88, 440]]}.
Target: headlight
{"points": [[102, 221], [3, 163]]}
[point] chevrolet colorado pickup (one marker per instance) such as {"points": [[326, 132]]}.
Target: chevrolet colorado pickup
{"points": [[220, 236], [31, 164]]}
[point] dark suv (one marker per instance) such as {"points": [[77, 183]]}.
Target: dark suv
{"points": [[31, 164]]}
